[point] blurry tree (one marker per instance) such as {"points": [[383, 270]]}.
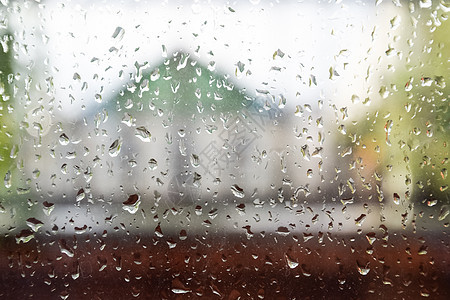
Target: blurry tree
{"points": [[183, 87], [7, 150], [409, 128]]}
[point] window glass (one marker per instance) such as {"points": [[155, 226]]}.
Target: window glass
{"points": [[231, 150]]}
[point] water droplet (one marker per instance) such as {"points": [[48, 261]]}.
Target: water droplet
{"points": [[168, 138], [347, 201], [143, 134], [132, 203], [422, 250], [178, 287], [332, 71], [363, 269], [48, 207], [14, 151], [128, 119], [76, 76], [395, 22], [180, 291], [152, 164], [298, 111], [7, 179], [24, 236], [155, 75], [282, 230], [195, 161], [182, 147], [351, 184], [115, 148], [409, 85], [216, 291], [80, 230], [71, 155], [424, 293], [388, 129], [241, 209], [290, 262], [347, 151], [426, 81], [34, 224], [305, 152], [64, 295], [63, 139], [440, 81], [175, 85], [396, 199], [217, 96], [248, 231], [237, 191], [210, 128], [312, 80], [355, 99], [118, 33], [371, 237], [425, 3], [384, 93], [432, 202], [36, 173], [158, 231], [198, 210], [183, 61], [360, 220], [80, 195], [65, 249], [183, 235], [445, 211], [282, 101], [98, 98]]}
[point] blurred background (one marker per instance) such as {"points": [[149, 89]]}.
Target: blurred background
{"points": [[249, 136]]}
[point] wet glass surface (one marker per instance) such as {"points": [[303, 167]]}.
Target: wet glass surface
{"points": [[230, 150]]}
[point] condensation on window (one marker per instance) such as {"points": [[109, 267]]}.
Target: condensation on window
{"points": [[229, 150]]}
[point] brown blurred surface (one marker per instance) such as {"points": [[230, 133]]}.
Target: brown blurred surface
{"points": [[411, 266]]}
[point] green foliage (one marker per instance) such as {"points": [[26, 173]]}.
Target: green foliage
{"points": [[6, 128], [183, 87], [411, 126]]}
